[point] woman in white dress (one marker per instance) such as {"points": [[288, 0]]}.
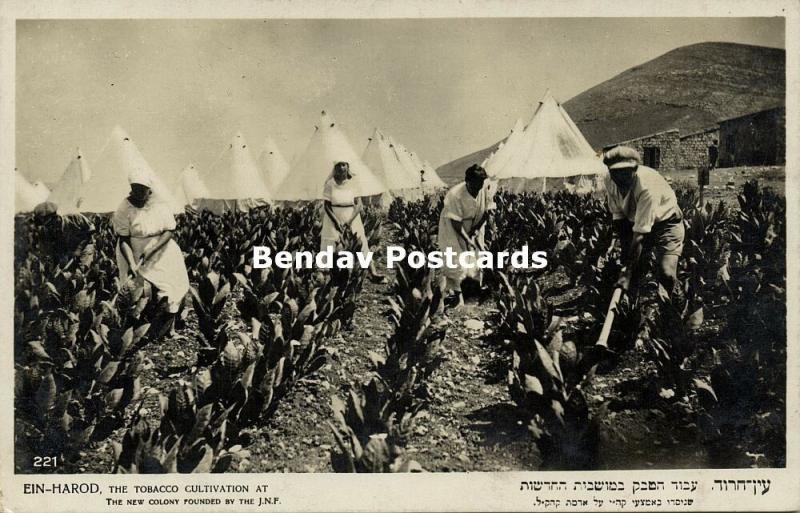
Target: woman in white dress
{"points": [[146, 249], [342, 208], [461, 222]]}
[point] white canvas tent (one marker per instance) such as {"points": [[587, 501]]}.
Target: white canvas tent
{"points": [[383, 161], [41, 190], [551, 146], [273, 166], [178, 194], [430, 178], [191, 186], [108, 185], [67, 193], [409, 166], [581, 184], [327, 146], [485, 160], [26, 195], [499, 159], [233, 182]]}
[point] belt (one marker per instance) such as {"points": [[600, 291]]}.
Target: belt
{"points": [[674, 219], [147, 236]]}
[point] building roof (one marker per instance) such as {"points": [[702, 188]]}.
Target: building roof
{"points": [[701, 131], [755, 113], [641, 137]]}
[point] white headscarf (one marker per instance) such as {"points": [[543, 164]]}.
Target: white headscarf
{"points": [[141, 176], [333, 169]]}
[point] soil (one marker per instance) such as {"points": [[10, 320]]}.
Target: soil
{"points": [[724, 183]]}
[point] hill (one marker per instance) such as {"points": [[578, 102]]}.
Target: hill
{"points": [[689, 88]]}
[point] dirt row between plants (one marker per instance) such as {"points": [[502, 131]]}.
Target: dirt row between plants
{"points": [[469, 423]]}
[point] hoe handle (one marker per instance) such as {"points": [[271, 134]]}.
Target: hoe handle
{"points": [[606, 331]]}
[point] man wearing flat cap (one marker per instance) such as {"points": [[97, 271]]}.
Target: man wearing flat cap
{"points": [[646, 216]]}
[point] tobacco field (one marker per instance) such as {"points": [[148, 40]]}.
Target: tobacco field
{"points": [[299, 370]]}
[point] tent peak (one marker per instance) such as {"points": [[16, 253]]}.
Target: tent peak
{"points": [[234, 177], [327, 117], [549, 98], [119, 133], [107, 185], [327, 146]]}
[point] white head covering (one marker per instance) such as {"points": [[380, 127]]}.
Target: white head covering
{"points": [[141, 176], [333, 169]]}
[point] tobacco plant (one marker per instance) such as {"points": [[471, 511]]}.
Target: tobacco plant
{"points": [[209, 299], [415, 349], [745, 394], [707, 249], [671, 342], [250, 379], [81, 373], [81, 403], [189, 439], [550, 397], [369, 433], [344, 285]]}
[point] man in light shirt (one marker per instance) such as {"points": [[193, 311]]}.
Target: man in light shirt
{"points": [[646, 216], [465, 211]]}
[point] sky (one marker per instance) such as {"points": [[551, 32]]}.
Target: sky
{"points": [[442, 87]]}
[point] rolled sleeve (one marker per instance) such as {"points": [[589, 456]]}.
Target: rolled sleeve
{"points": [[452, 208], [490, 190], [645, 214], [120, 221]]}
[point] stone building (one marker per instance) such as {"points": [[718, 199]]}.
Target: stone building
{"points": [[694, 147], [658, 150], [755, 139]]}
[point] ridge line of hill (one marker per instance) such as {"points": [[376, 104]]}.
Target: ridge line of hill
{"points": [[688, 88]]}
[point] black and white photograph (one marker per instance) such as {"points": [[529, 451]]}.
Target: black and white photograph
{"points": [[427, 245]]}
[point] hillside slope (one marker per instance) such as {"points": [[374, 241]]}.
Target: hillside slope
{"points": [[688, 88]]}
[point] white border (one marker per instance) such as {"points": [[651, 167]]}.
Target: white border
{"points": [[428, 492]]}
